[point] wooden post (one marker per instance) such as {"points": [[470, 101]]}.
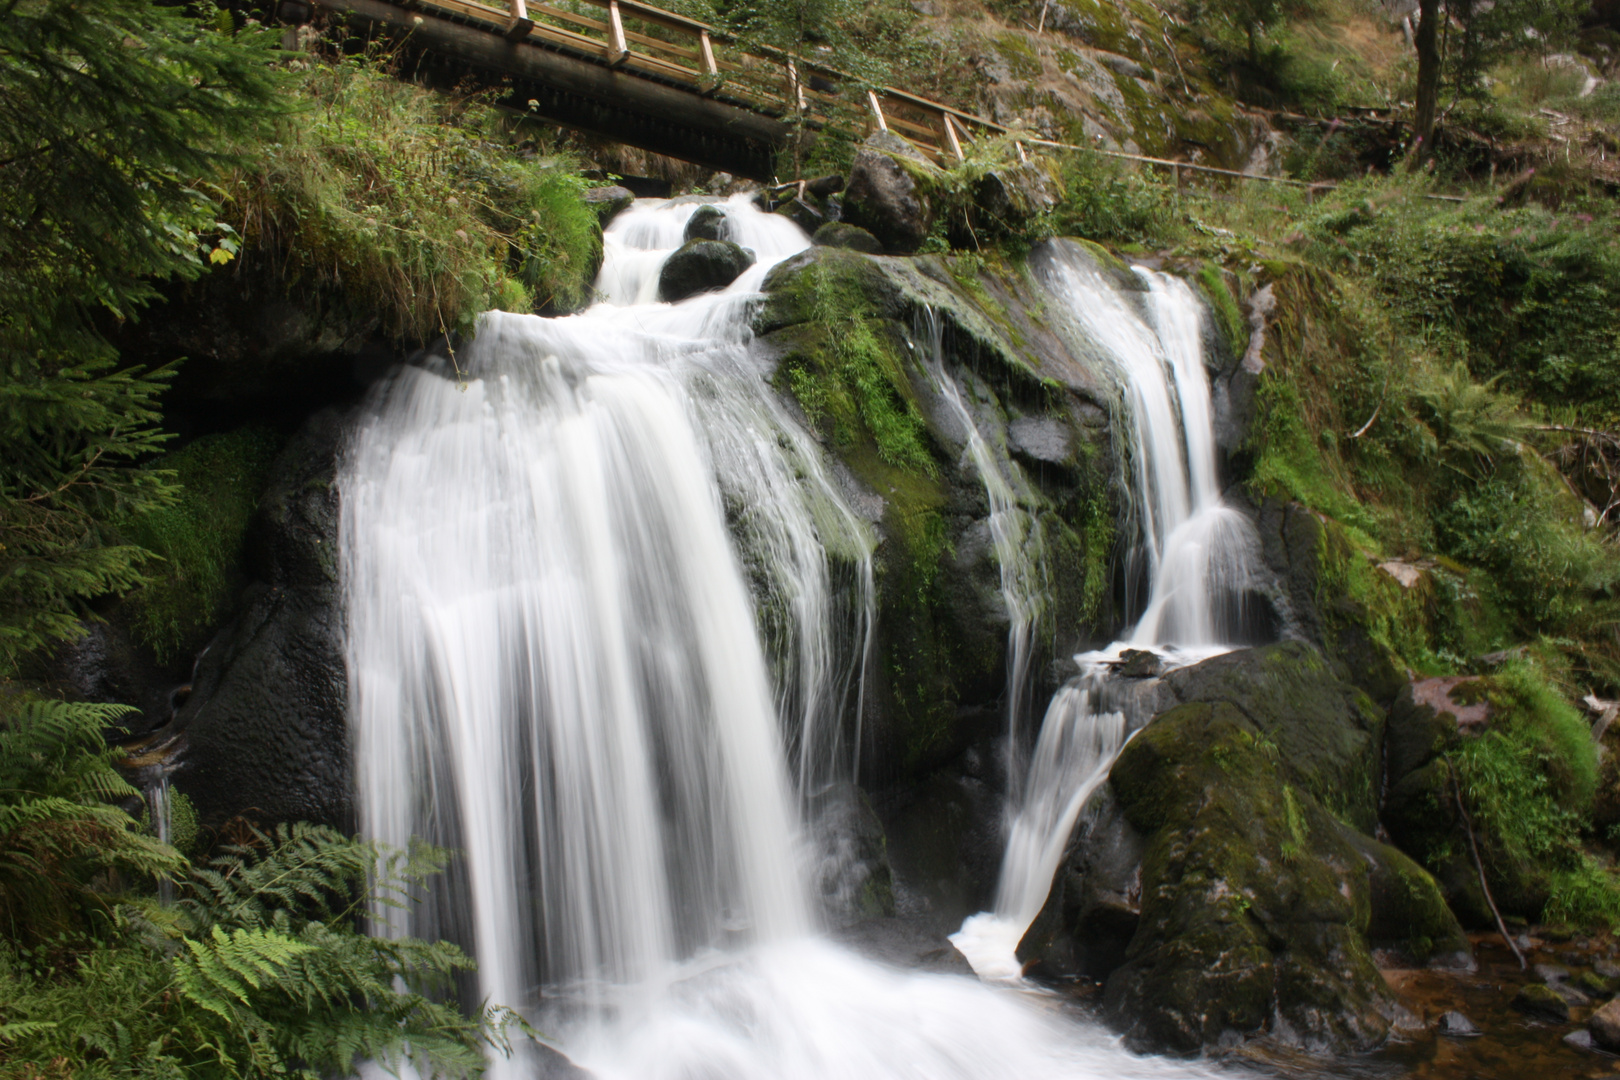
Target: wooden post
{"points": [[519, 25], [709, 66], [877, 111], [795, 86], [617, 49], [950, 137], [1023, 157]]}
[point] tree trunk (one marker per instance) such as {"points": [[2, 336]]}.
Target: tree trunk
{"points": [[1428, 80]]}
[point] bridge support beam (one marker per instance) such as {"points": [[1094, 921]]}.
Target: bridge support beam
{"points": [[575, 93]]}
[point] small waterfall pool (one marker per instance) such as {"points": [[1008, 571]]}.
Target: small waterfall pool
{"points": [[559, 555]]}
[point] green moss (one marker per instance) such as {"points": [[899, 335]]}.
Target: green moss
{"points": [[199, 538], [1233, 327], [1019, 54]]}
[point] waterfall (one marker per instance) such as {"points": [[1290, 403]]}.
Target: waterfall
{"points": [[608, 623], [1015, 538], [1194, 550]]}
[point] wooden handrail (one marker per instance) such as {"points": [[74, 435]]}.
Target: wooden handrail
{"points": [[764, 78]]}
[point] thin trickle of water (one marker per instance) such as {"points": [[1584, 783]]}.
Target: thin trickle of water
{"points": [[1196, 553], [159, 803], [607, 628], [1014, 536]]}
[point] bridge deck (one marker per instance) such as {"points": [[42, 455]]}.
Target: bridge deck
{"points": [[653, 79]]}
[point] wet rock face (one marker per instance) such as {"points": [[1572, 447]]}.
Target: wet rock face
{"points": [[264, 730], [609, 202], [884, 198], [702, 266]]}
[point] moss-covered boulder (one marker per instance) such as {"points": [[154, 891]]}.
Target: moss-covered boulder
{"points": [[841, 234], [1254, 905], [1318, 741], [1326, 730]]}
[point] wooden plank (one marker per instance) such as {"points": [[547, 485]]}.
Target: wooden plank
{"points": [[950, 135], [709, 67], [569, 16], [617, 50]]}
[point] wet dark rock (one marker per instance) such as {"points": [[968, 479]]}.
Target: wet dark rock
{"points": [[802, 213], [1607, 968], [264, 731], [1549, 973], [609, 202], [555, 1065], [702, 266], [1140, 664], [1041, 439], [1605, 1026], [1457, 1026], [1542, 1002], [841, 234], [708, 222], [855, 880], [1570, 994], [823, 186], [1095, 906], [884, 197]]}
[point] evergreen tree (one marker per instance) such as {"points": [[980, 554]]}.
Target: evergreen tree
{"points": [[114, 114]]}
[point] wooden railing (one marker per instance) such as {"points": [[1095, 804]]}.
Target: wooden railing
{"points": [[652, 43]]}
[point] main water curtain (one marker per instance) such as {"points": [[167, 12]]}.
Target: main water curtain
{"points": [[556, 666]]}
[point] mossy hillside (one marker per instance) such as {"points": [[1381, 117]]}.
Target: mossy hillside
{"points": [[199, 538], [1526, 781]]}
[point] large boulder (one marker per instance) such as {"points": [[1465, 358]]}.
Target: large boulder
{"points": [[884, 195], [609, 202], [702, 266], [1254, 905], [264, 733], [1325, 737]]}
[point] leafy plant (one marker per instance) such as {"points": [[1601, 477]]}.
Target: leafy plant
{"points": [[113, 117], [258, 971]]}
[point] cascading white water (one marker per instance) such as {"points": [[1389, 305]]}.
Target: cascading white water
{"points": [[557, 668], [1014, 537], [1198, 553]]}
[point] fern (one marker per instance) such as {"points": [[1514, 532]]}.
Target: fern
{"points": [[58, 832]]}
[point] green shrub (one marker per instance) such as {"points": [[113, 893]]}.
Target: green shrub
{"points": [[413, 205]]}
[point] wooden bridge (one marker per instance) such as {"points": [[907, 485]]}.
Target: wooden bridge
{"points": [[652, 79]]}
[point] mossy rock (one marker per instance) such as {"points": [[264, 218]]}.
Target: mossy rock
{"points": [[1327, 733], [1542, 1002], [849, 337], [1254, 905]]}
